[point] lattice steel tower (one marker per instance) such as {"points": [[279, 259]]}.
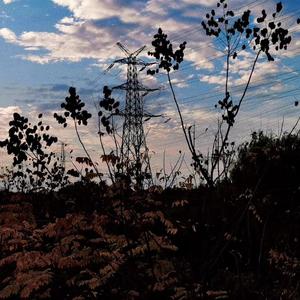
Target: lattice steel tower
{"points": [[133, 138]]}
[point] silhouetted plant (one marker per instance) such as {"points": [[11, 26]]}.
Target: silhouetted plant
{"points": [[276, 156], [239, 34], [15, 179], [170, 179], [168, 60], [108, 108], [165, 54], [156, 243], [236, 34], [29, 144], [73, 107]]}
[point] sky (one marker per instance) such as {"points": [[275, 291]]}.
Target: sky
{"points": [[46, 46]]}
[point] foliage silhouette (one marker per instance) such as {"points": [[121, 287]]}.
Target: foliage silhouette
{"points": [[278, 155], [73, 109], [236, 34], [110, 108], [164, 53], [163, 244], [28, 142], [240, 35]]}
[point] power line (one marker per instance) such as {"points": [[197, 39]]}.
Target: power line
{"points": [[237, 88], [265, 112]]}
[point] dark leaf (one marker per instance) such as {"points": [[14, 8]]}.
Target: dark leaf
{"points": [[278, 7]]}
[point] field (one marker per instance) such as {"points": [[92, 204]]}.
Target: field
{"points": [[239, 240]]}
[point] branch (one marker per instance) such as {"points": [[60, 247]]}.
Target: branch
{"points": [[103, 149], [235, 114], [189, 143], [87, 154]]}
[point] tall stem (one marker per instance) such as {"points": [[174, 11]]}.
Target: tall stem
{"points": [[104, 153], [219, 154], [86, 152], [248, 82], [179, 113], [189, 143]]}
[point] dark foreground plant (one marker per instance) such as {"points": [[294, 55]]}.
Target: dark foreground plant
{"points": [[29, 145], [238, 34], [73, 107], [170, 60], [158, 244], [235, 34]]}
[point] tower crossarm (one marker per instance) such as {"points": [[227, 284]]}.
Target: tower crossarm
{"points": [[138, 87], [133, 61], [137, 52], [148, 115], [123, 48]]}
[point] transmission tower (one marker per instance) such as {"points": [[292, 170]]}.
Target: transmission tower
{"points": [[133, 138]]}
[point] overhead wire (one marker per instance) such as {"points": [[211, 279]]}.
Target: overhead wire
{"points": [[218, 93], [217, 57]]}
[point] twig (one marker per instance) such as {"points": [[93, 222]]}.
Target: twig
{"points": [[189, 143], [86, 152]]}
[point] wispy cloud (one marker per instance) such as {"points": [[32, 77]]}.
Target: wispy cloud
{"points": [[8, 1], [80, 36]]}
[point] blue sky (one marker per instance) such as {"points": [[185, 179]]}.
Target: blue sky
{"points": [[48, 45]]}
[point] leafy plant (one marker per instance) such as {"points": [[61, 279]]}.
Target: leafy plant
{"points": [[170, 60], [109, 108], [235, 34], [238, 34], [73, 107], [29, 144]]}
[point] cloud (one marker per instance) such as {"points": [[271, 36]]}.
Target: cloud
{"points": [[181, 83], [9, 110], [8, 1], [240, 69], [79, 36], [213, 79], [73, 42], [157, 7], [206, 3], [99, 9], [8, 35], [77, 40], [5, 117]]}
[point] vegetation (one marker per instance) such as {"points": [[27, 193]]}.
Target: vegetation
{"points": [[238, 241], [234, 236]]}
